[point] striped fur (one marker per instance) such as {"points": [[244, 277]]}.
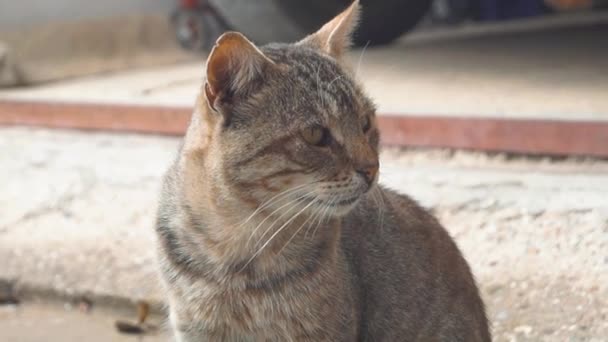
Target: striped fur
{"points": [[264, 237]]}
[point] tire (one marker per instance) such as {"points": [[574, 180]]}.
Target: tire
{"points": [[382, 21], [451, 12], [290, 20], [387, 20], [262, 21], [196, 30]]}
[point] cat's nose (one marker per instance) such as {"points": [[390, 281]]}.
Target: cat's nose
{"points": [[368, 172]]}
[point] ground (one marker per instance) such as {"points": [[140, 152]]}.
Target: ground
{"points": [[78, 211]]}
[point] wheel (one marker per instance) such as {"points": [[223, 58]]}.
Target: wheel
{"points": [[196, 30], [386, 20], [451, 12], [262, 21], [289, 20]]}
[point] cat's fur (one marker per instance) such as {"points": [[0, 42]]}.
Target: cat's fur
{"points": [[258, 238]]}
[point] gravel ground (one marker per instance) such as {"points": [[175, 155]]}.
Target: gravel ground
{"points": [[76, 212]]}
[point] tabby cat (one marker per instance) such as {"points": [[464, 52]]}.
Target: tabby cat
{"points": [[271, 225]]}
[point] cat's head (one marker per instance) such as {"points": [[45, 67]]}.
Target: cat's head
{"points": [[289, 121]]}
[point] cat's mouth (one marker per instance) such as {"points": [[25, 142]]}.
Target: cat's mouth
{"points": [[343, 202]]}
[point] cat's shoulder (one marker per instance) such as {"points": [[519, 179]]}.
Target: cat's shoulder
{"points": [[396, 204], [390, 213]]}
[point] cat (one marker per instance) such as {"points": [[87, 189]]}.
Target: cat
{"points": [[271, 225]]}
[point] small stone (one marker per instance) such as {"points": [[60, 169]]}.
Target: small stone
{"points": [[524, 329], [548, 331], [492, 289], [7, 294], [85, 305], [524, 304], [502, 315]]}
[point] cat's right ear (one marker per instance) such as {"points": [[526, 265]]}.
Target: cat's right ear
{"points": [[234, 66], [335, 37]]}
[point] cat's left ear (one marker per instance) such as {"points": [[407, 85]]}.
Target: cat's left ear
{"points": [[335, 37], [235, 66]]}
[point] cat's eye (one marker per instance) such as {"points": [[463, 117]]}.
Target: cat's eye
{"points": [[367, 124], [317, 135]]}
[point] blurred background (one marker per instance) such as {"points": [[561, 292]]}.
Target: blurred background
{"points": [[493, 114]]}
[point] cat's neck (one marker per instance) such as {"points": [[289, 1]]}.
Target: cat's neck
{"points": [[262, 246]]}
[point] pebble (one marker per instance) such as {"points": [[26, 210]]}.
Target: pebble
{"points": [[524, 329], [502, 315]]}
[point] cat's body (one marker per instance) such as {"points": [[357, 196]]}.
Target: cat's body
{"points": [[393, 275], [271, 227]]}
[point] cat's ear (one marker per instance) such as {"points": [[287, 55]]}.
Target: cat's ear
{"points": [[234, 66], [335, 37]]}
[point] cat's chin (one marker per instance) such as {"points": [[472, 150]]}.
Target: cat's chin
{"points": [[340, 207]]}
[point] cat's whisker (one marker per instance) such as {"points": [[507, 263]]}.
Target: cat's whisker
{"points": [[322, 220], [270, 226], [298, 230], [324, 216], [317, 220], [317, 215], [334, 80], [382, 212], [361, 57], [379, 199], [273, 200], [275, 234], [292, 203], [277, 219], [319, 88], [372, 194]]}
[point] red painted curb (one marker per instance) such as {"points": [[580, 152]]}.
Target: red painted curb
{"points": [[123, 118], [509, 135]]}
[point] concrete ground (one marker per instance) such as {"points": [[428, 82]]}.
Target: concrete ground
{"points": [[551, 69], [42, 321], [77, 210]]}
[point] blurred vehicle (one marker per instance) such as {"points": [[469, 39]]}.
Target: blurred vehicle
{"points": [[198, 23], [456, 11]]}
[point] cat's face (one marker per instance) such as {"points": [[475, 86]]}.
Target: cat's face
{"points": [[294, 129]]}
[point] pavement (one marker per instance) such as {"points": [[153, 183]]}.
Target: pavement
{"points": [[36, 321], [77, 211], [537, 69]]}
